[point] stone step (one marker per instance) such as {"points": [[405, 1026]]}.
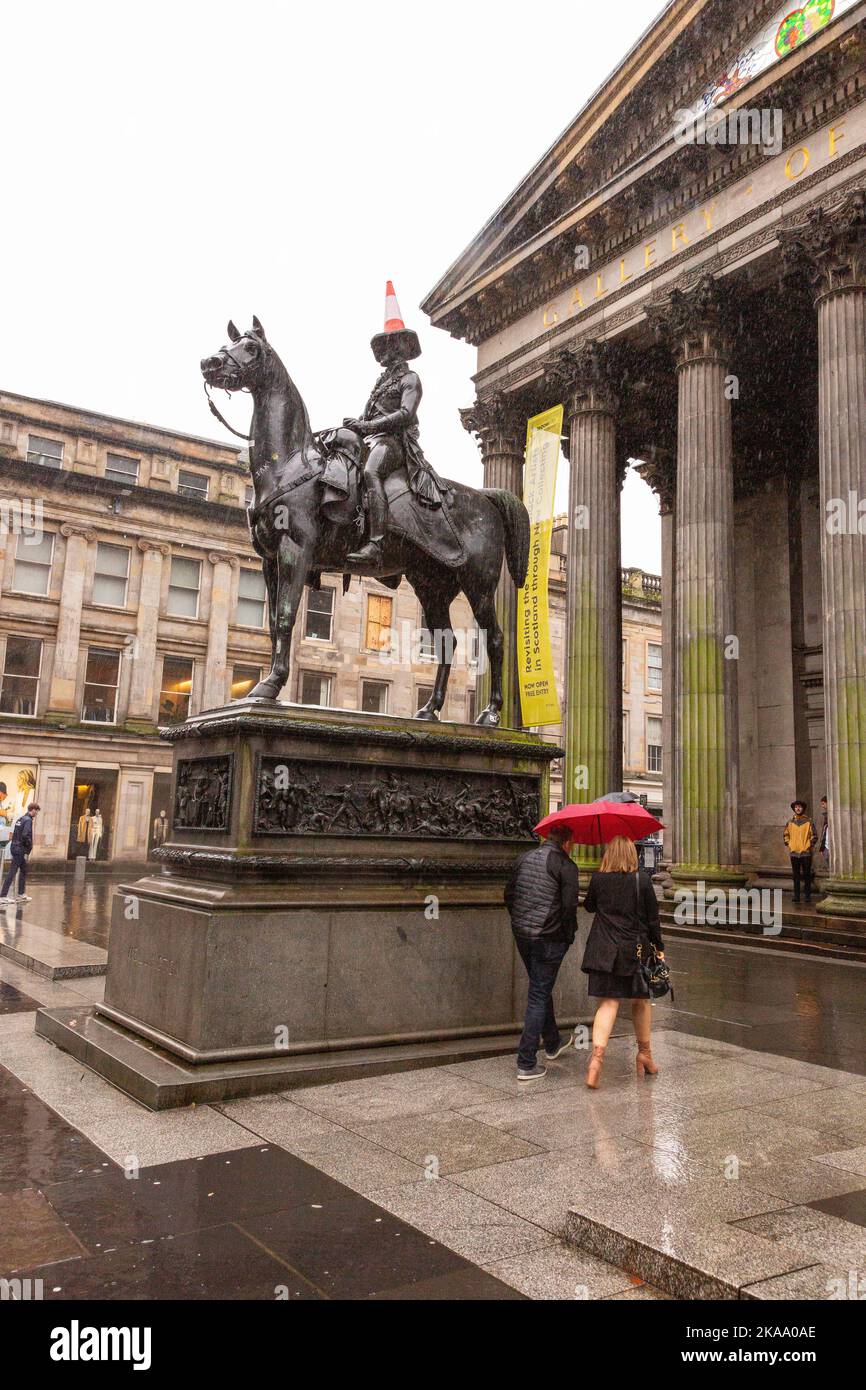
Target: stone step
{"points": [[835, 943], [162, 1081], [48, 953]]}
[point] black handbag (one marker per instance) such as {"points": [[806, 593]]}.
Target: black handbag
{"points": [[655, 971]]}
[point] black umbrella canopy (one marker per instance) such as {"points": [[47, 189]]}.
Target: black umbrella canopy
{"points": [[617, 796]]}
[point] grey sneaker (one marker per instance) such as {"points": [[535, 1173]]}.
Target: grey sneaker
{"points": [[535, 1074], [564, 1045]]}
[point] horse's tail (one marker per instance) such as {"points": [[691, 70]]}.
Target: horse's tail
{"points": [[516, 520]]}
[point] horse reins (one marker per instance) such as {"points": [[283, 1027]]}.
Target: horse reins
{"points": [[221, 418]]}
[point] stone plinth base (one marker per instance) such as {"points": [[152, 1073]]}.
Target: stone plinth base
{"points": [[330, 882]]}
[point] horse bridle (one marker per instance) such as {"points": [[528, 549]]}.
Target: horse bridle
{"points": [[226, 352]]}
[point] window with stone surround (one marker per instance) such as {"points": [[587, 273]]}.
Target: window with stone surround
{"points": [[111, 575], [374, 697], [100, 686], [193, 485], [22, 667], [423, 693], [625, 663], [319, 623], [653, 743], [183, 587], [654, 666], [377, 635], [120, 468], [470, 706], [243, 680], [33, 558], [314, 688], [174, 696], [47, 452], [250, 610]]}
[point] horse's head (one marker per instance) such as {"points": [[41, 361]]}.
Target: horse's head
{"points": [[240, 364]]}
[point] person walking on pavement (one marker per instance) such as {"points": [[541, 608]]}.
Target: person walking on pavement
{"points": [[800, 838], [541, 897], [20, 847], [626, 924]]}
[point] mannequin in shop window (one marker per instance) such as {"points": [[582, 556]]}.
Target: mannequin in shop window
{"points": [[82, 833], [96, 829], [160, 829]]}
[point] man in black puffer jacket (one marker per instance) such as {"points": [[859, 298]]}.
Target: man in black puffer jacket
{"points": [[541, 897]]}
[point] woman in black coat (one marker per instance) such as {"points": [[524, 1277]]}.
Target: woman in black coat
{"points": [[626, 922]]}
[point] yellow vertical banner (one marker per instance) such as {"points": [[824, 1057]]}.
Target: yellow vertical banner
{"points": [[539, 702]]}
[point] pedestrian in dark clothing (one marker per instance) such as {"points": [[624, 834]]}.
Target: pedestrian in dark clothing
{"points": [[626, 924], [20, 846], [541, 897], [800, 837]]}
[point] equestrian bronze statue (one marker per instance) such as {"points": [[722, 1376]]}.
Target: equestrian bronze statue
{"points": [[307, 511]]}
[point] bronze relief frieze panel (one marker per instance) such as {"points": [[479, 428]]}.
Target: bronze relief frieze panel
{"points": [[202, 799], [313, 797]]}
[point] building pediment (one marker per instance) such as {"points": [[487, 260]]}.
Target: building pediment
{"points": [[618, 169]]}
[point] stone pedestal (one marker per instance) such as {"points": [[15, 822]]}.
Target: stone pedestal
{"points": [[330, 884]]}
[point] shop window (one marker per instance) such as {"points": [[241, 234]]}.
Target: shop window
{"points": [[184, 586], [314, 688], [100, 686], [111, 576], [423, 693], [319, 623], [19, 691], [47, 452], [32, 574], [250, 609], [119, 468], [377, 637], [176, 690], [374, 697], [470, 707]]}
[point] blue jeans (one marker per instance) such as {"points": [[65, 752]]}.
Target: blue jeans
{"points": [[542, 959], [17, 865]]}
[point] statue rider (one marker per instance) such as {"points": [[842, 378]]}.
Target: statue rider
{"points": [[389, 426]]}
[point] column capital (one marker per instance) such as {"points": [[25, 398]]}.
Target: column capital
{"points": [[586, 374], [217, 557], [660, 471], [146, 545], [496, 416], [695, 321], [69, 529], [825, 246]]}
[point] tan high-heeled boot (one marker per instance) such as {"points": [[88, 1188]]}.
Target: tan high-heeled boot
{"points": [[645, 1064], [593, 1071]]}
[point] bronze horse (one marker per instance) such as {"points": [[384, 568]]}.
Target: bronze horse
{"points": [[297, 541]]}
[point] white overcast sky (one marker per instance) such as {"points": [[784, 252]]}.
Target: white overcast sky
{"points": [[168, 166]]}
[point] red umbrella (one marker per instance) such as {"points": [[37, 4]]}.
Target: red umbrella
{"points": [[598, 822]]}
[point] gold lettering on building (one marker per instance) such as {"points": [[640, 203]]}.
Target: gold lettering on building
{"points": [[707, 214], [622, 275], [599, 287], [834, 135], [649, 253], [792, 173], [678, 233], [577, 298], [550, 316]]}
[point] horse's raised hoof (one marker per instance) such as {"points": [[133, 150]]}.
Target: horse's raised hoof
{"points": [[431, 715], [265, 690], [489, 718]]}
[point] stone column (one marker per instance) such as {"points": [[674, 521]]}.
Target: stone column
{"points": [[214, 695], [499, 425], [593, 621], [706, 776], [830, 245], [660, 471], [64, 675], [142, 692]]}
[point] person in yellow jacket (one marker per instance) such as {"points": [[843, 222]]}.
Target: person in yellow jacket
{"points": [[800, 837]]}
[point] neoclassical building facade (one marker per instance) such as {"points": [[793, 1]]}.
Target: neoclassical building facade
{"points": [[699, 306]]}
